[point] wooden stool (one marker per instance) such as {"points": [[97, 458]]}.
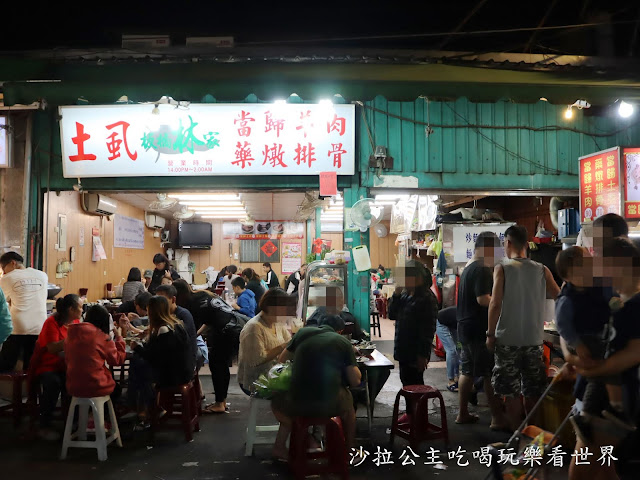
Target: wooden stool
{"points": [[252, 434], [97, 406], [179, 403], [15, 408], [418, 428], [303, 462], [375, 323]]}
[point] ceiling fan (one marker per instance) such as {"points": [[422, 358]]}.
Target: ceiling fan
{"points": [[184, 213], [163, 202]]}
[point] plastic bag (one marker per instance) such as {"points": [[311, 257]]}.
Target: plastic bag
{"points": [[118, 288], [277, 379]]}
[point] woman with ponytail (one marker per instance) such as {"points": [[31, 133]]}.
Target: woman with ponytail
{"points": [[48, 365]]}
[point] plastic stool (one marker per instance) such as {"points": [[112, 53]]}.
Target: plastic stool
{"points": [[418, 428], [375, 323], [179, 403], [97, 406], [303, 462], [253, 431]]}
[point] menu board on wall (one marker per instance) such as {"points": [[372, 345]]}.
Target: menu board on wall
{"points": [[600, 184], [263, 229], [631, 174], [464, 239], [128, 232]]}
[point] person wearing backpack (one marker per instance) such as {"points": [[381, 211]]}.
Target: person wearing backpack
{"points": [[220, 324]]}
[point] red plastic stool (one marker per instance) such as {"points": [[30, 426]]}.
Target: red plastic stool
{"points": [[180, 404], [334, 457], [417, 427]]}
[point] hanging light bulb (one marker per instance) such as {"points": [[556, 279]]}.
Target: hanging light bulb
{"points": [[568, 114], [625, 110], [156, 110]]}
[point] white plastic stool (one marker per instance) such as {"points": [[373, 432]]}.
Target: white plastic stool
{"points": [[253, 431], [97, 405]]}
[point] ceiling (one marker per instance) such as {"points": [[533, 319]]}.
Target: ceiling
{"points": [[261, 205]]}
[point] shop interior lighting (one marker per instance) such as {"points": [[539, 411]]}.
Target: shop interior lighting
{"points": [[218, 209], [325, 102], [156, 110], [205, 196], [279, 102], [625, 110], [568, 114], [221, 217], [212, 203]]}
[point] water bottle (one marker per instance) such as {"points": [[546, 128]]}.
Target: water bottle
{"points": [[226, 295]]}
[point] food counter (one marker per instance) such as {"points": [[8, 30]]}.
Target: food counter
{"points": [[320, 277]]}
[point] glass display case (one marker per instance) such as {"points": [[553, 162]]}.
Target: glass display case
{"points": [[324, 282]]}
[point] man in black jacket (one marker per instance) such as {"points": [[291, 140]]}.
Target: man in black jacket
{"points": [[415, 309]]}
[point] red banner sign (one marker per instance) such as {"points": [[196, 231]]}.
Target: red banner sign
{"points": [[631, 174], [599, 184]]}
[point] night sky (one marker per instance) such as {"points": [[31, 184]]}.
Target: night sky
{"points": [[100, 24]]}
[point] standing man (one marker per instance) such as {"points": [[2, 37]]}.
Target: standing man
{"points": [[516, 325], [272, 278], [474, 295], [26, 291]]}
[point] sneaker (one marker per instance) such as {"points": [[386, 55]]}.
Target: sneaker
{"points": [[48, 435], [142, 426], [583, 429], [618, 418]]}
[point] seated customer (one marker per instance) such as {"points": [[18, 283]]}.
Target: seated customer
{"points": [[140, 317], [264, 337], [245, 298], [166, 351], [324, 365], [47, 364], [133, 286], [88, 350], [331, 304], [170, 293]]}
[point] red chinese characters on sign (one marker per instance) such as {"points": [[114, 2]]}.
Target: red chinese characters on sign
{"points": [[79, 140], [631, 173], [269, 248], [337, 151], [113, 143], [271, 123], [305, 154], [273, 155], [599, 185], [337, 124], [243, 120], [305, 123], [243, 155]]}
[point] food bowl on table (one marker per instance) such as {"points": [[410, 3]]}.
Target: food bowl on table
{"points": [[367, 350]]}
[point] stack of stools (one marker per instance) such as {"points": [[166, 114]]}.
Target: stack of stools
{"points": [[178, 403], [417, 428], [97, 406], [304, 463]]}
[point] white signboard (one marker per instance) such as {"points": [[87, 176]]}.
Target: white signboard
{"points": [[464, 240], [291, 257], [5, 160], [207, 139], [128, 232]]}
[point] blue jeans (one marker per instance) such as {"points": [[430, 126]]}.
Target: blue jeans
{"points": [[449, 339]]}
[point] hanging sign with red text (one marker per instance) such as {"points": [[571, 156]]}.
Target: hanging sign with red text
{"points": [[207, 139], [600, 184]]}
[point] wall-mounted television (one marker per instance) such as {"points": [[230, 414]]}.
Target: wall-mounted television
{"points": [[195, 235]]}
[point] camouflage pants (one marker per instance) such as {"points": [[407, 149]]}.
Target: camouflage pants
{"points": [[519, 370]]}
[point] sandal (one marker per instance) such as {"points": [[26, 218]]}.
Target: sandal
{"points": [[453, 387], [209, 410], [469, 420]]}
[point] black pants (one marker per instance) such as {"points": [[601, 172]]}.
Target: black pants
{"points": [[220, 358], [410, 375], [53, 385], [14, 348]]}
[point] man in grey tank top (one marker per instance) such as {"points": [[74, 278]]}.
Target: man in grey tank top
{"points": [[516, 325]]}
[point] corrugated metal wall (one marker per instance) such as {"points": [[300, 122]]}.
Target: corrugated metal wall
{"points": [[486, 158]]}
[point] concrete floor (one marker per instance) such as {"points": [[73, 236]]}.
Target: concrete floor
{"points": [[217, 450]]}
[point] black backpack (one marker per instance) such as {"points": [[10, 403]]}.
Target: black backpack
{"points": [[229, 321]]}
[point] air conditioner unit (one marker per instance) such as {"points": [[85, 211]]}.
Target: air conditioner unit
{"points": [[98, 204], [154, 221]]}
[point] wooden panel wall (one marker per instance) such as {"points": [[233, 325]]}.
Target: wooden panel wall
{"points": [[218, 256], [86, 273], [382, 250]]}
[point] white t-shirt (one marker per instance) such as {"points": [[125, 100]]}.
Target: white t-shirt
{"points": [[227, 282], [26, 289]]}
